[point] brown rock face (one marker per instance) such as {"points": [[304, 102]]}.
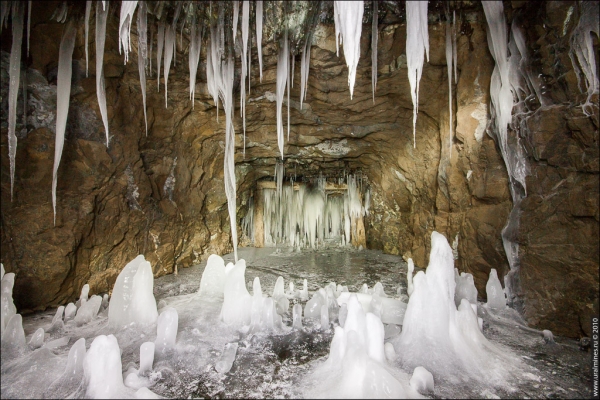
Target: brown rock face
{"points": [[162, 195]]}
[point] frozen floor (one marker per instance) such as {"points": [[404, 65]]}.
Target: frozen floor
{"points": [[276, 365]]}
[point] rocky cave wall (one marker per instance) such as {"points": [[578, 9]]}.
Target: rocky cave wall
{"points": [[163, 195]]}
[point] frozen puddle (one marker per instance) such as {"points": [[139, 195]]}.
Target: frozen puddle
{"points": [[345, 350]]}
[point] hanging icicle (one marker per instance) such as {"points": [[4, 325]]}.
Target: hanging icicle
{"points": [[143, 53], [293, 67], [417, 41], [63, 94], [374, 38], [13, 88], [101, 16], [348, 25], [160, 41], [169, 50], [449, 63], [454, 51], [236, 13], [195, 47], [127, 10], [282, 73], [245, 22], [304, 66], [88, 7], [150, 51], [259, 29], [28, 24]]}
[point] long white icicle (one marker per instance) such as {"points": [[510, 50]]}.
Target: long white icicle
{"points": [[142, 28], [417, 41], [449, 63], [236, 13], [259, 29], [282, 73], [348, 24], [169, 49], [127, 10], [245, 22], [195, 46], [304, 66], [101, 16], [63, 93], [160, 41], [88, 8], [13, 89], [374, 37]]}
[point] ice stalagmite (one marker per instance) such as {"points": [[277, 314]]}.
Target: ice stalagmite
{"points": [[374, 37], [245, 19], [13, 89], [160, 41], [169, 50], [449, 63], [226, 93], [282, 74], [348, 24], [127, 10], [143, 52], [63, 93], [304, 66], [88, 8], [259, 28], [417, 41], [582, 48], [195, 46], [100, 40]]}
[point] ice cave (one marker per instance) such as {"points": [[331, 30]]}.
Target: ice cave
{"points": [[299, 199]]}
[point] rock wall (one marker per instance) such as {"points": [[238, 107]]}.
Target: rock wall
{"points": [[163, 196]]}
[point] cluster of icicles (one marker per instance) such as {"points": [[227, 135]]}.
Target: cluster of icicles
{"points": [[348, 16]]}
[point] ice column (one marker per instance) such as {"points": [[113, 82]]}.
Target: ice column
{"points": [[101, 15], [417, 41], [63, 94], [348, 24], [13, 89], [143, 53]]}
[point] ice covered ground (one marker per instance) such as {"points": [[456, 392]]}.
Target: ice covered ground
{"points": [[287, 362]]}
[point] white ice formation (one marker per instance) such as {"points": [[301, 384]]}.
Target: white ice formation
{"points": [[101, 16], [132, 298], [237, 301], [37, 339], [127, 10], [348, 28], [409, 277], [374, 38], [422, 381], [495, 295], [259, 29], [283, 60], [142, 27], [212, 283], [88, 310], [417, 42], [166, 332], [195, 47], [169, 51], [227, 357]]}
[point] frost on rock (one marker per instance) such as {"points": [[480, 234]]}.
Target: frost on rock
{"points": [[143, 53], [582, 50], [132, 298], [438, 336], [13, 88], [127, 10], [166, 332], [417, 41], [212, 283], [348, 24], [495, 295]]}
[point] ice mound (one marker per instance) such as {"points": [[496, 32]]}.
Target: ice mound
{"points": [[37, 339], [13, 342], [357, 366], [88, 311], [391, 311], [70, 311], [422, 380], [237, 302], [213, 278], [465, 288], [495, 295], [102, 370], [72, 380], [440, 338], [166, 331], [132, 297], [8, 307], [227, 358]]}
